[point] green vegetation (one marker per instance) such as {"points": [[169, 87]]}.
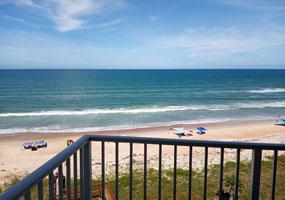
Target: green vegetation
{"points": [[10, 180], [197, 182]]}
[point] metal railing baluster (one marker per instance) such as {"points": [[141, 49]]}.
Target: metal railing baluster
{"points": [[131, 171], [60, 182], [27, 196], [68, 186], [75, 189], [40, 190], [159, 171], [237, 175], [81, 172], [51, 186], [221, 174], [145, 172], [174, 172], [117, 170], [87, 170], [274, 168], [255, 174], [205, 174], [190, 173], [103, 169]]}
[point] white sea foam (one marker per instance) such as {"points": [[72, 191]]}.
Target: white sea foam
{"points": [[215, 107], [268, 90], [97, 111], [64, 129]]}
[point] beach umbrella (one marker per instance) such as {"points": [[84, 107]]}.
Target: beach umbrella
{"points": [[179, 130], [201, 128]]}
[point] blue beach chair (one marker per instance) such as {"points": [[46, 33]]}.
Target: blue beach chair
{"points": [[28, 145], [39, 144]]}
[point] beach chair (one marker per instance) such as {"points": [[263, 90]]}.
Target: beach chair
{"points": [[38, 144], [34, 145], [179, 131], [27, 145], [41, 144], [280, 122], [180, 134]]}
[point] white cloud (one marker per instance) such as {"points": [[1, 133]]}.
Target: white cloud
{"points": [[69, 15], [18, 20], [265, 5], [29, 3], [13, 18], [220, 43], [110, 23]]}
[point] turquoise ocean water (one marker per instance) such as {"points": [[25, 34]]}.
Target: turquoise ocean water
{"points": [[86, 100]]}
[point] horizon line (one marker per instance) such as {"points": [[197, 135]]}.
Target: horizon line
{"points": [[281, 68]]}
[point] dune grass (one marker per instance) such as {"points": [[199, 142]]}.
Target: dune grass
{"points": [[198, 182], [183, 182]]}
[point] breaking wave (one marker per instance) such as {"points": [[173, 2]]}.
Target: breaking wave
{"points": [[268, 90], [154, 109]]}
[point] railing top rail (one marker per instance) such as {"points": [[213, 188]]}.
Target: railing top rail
{"points": [[188, 142], [32, 179]]}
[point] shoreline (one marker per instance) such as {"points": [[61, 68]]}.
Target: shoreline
{"points": [[255, 131], [130, 131]]}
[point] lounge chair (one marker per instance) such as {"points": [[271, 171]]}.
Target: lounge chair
{"points": [[34, 145], [41, 144], [179, 131], [280, 122], [180, 134], [28, 145]]}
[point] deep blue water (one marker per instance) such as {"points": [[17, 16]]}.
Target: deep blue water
{"points": [[64, 100]]}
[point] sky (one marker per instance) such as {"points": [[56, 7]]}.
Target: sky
{"points": [[138, 34]]}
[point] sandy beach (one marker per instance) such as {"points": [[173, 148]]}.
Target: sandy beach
{"points": [[15, 160]]}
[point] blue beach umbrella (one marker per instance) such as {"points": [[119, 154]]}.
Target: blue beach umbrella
{"points": [[201, 128]]}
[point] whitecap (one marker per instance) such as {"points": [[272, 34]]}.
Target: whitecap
{"points": [[153, 109], [268, 90]]}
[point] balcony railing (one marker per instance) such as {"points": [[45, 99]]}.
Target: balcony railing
{"points": [[80, 185]]}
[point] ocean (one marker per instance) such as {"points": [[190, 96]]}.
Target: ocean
{"points": [[89, 100]]}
